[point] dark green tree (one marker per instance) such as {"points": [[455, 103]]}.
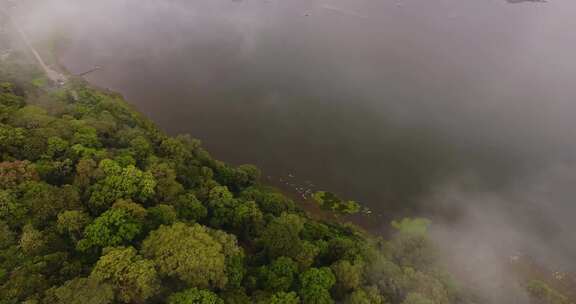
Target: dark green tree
{"points": [[348, 275], [189, 208], [282, 236], [81, 291], [167, 188], [7, 236], [72, 223], [280, 275], [161, 215]]}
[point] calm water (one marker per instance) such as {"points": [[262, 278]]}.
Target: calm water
{"points": [[385, 102]]}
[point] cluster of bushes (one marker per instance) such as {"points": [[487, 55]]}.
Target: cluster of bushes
{"points": [[329, 201], [97, 205]]}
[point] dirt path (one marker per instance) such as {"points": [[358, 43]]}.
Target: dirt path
{"points": [[54, 76]]}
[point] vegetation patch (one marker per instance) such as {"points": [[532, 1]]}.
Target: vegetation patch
{"points": [[329, 201]]}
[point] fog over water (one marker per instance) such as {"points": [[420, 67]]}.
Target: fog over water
{"points": [[462, 110]]}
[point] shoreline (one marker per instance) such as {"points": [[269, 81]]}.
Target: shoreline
{"points": [[367, 222]]}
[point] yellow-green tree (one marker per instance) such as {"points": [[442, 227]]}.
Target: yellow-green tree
{"points": [[191, 253], [133, 278]]}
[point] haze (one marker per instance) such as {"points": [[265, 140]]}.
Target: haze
{"points": [[461, 110]]}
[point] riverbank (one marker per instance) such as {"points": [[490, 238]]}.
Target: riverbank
{"points": [[299, 191]]}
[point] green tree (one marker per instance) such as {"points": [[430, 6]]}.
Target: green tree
{"points": [[11, 140], [412, 250], [161, 215], [417, 226], [11, 210], [190, 253], [32, 240], [9, 102], [369, 295], [190, 208], [236, 296], [80, 151], [315, 284], [349, 207], [72, 223], [31, 117], [133, 277], [247, 219], [284, 298], [81, 291], [246, 176], [329, 201], [113, 228], [121, 183], [348, 275], [195, 296], [141, 148], [268, 201], [282, 236], [135, 210], [57, 172], [179, 148], [124, 158], [307, 255], [427, 285], [315, 295], [104, 123], [318, 277], [22, 285], [87, 137], [167, 188], [235, 270], [416, 298], [542, 292], [388, 277], [220, 194], [7, 236], [45, 201], [34, 145], [84, 172], [57, 147], [222, 206], [279, 275]]}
